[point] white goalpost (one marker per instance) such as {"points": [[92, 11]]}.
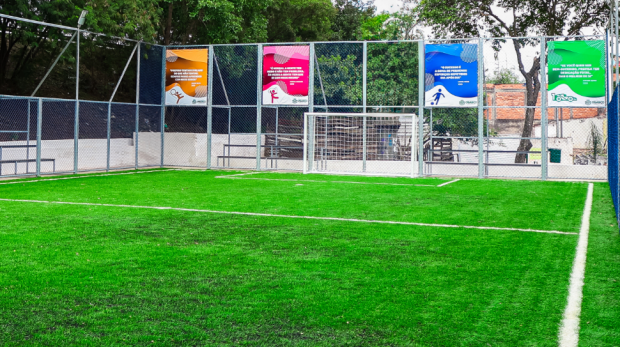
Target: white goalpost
{"points": [[361, 143]]}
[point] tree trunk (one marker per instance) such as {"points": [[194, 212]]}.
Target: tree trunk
{"points": [[168, 30], [532, 87]]}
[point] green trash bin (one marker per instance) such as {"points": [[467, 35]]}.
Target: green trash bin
{"points": [[555, 155]]}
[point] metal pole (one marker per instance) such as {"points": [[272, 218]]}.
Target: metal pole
{"points": [[421, 86], [480, 110], [107, 168], [124, 71], [543, 107], [229, 127], [318, 70], [162, 123], [310, 99], [55, 62], [311, 143], [28, 137], [210, 106], [305, 144], [217, 66], [364, 103], [259, 97], [76, 124], [137, 125], [39, 121], [616, 89]]}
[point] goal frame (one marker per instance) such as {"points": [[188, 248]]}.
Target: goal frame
{"points": [[308, 131]]}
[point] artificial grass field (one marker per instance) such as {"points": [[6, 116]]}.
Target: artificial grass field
{"points": [[110, 275]]}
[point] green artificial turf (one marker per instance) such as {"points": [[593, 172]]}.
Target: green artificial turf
{"points": [[100, 275]]}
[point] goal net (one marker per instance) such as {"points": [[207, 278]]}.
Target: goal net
{"points": [[361, 143]]}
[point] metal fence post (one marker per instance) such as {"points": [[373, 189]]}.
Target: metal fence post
{"points": [[163, 104], [311, 80], [107, 168], [209, 106], [311, 139], [480, 109], [305, 144], [310, 108], [137, 125], [259, 97], [543, 107], [421, 90], [39, 121], [617, 88], [364, 103], [76, 121]]}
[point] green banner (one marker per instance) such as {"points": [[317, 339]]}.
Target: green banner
{"points": [[576, 71]]}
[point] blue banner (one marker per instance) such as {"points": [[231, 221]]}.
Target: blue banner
{"points": [[451, 78]]}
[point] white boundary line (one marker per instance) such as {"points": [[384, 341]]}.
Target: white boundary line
{"points": [[445, 184], [569, 330], [291, 216], [316, 181], [85, 176]]}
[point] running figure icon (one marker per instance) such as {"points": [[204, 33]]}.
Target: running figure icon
{"points": [[437, 96], [273, 96]]}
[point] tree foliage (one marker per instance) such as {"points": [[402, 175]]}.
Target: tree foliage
{"points": [[504, 76], [300, 20], [467, 18]]}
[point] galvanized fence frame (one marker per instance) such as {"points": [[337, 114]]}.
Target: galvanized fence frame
{"points": [[315, 90]]}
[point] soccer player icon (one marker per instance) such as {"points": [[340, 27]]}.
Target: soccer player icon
{"points": [[437, 96]]}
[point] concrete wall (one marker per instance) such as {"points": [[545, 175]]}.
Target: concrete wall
{"points": [[190, 149]]}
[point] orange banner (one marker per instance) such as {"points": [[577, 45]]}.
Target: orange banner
{"points": [[186, 76]]}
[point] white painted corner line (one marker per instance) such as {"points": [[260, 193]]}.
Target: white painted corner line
{"points": [[85, 176], [569, 328], [445, 184], [290, 216]]}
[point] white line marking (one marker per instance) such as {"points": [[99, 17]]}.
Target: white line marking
{"points": [[241, 174], [291, 216], [85, 176], [445, 184], [315, 181], [569, 330]]}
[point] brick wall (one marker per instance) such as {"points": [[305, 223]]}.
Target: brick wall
{"points": [[515, 95]]}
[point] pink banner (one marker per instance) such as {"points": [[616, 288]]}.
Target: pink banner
{"points": [[286, 75]]}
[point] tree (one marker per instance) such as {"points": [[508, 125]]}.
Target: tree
{"points": [[504, 76], [299, 20], [350, 15], [465, 18], [214, 22], [28, 50]]}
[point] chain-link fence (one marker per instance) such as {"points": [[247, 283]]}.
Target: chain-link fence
{"points": [[84, 102]]}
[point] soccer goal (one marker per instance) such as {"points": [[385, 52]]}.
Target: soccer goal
{"points": [[361, 143]]}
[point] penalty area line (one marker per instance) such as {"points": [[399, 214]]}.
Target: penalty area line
{"points": [[317, 181], [445, 184], [291, 216], [569, 329]]}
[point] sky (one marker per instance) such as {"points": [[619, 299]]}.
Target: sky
{"points": [[388, 5]]}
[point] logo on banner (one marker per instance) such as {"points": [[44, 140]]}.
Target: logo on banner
{"points": [[564, 98], [179, 96]]}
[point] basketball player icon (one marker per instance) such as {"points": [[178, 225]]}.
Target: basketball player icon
{"points": [[273, 96], [174, 92], [437, 96]]}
